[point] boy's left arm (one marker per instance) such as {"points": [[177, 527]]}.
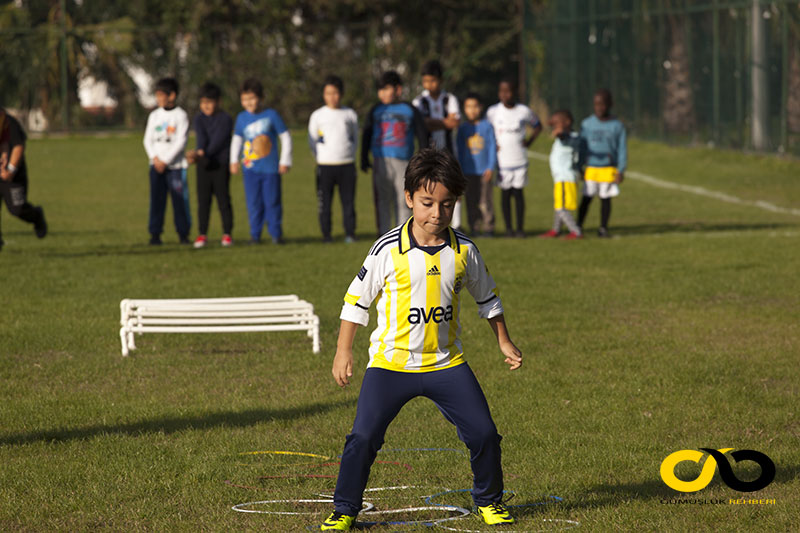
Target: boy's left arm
{"points": [[483, 288], [507, 346], [285, 161], [420, 129], [491, 145], [10, 167], [17, 149], [622, 155], [536, 128], [535, 131]]}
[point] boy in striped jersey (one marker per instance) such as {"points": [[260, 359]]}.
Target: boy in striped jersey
{"points": [[420, 269]]}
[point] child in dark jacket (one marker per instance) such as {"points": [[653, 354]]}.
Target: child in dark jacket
{"points": [[213, 128]]}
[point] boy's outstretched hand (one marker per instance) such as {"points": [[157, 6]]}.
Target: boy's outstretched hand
{"points": [[343, 367], [512, 353], [507, 346]]}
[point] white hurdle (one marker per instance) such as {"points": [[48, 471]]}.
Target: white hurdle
{"points": [[216, 315]]}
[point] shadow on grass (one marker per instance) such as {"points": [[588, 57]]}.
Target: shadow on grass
{"points": [[170, 247], [655, 490], [169, 425], [118, 250], [695, 227]]}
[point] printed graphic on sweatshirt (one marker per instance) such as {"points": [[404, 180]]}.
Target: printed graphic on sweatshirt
{"points": [[475, 143], [393, 130], [257, 144], [165, 132]]}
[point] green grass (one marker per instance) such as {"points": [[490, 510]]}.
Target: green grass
{"points": [[681, 333]]}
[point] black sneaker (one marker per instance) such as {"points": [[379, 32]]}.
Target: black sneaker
{"points": [[40, 226], [155, 239], [603, 233], [519, 234], [183, 239], [279, 240]]}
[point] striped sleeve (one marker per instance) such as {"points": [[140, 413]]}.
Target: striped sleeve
{"points": [[481, 286], [363, 290]]}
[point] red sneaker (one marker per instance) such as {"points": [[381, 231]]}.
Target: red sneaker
{"points": [[572, 236], [200, 241], [548, 235], [226, 241]]}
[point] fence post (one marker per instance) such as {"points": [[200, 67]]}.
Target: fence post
{"points": [[574, 34], [715, 74], [523, 64], [758, 79], [784, 77], [64, 77]]}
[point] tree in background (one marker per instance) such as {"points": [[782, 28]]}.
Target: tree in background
{"points": [[289, 45], [678, 111]]}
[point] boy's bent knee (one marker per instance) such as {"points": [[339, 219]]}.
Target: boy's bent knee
{"points": [[480, 440], [365, 438]]}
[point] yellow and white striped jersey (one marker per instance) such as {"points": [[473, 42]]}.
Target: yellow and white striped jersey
{"points": [[420, 299]]}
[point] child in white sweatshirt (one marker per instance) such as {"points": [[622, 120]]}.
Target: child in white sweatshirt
{"points": [[332, 135], [165, 139]]}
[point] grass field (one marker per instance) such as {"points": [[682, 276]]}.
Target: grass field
{"points": [[682, 332]]}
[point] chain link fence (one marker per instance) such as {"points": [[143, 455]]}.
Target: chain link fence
{"points": [[104, 70], [717, 72]]}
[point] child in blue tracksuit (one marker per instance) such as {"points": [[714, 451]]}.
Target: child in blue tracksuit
{"points": [[255, 139], [606, 159], [477, 154], [389, 132]]}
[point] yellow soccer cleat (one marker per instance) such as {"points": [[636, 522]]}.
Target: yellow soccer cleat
{"points": [[337, 522], [495, 513]]}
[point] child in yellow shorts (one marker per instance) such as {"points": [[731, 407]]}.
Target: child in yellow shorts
{"points": [[566, 158], [606, 159]]}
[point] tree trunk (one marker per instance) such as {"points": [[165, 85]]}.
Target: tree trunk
{"points": [[678, 109], [793, 101]]}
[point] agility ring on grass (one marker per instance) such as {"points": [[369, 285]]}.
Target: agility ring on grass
{"points": [[550, 499], [285, 453], [240, 507], [376, 489], [456, 450], [426, 522], [326, 476], [567, 524]]}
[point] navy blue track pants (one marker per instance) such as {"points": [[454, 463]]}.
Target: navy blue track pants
{"points": [[456, 393], [171, 182]]}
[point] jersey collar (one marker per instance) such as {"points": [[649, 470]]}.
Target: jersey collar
{"points": [[407, 242]]}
